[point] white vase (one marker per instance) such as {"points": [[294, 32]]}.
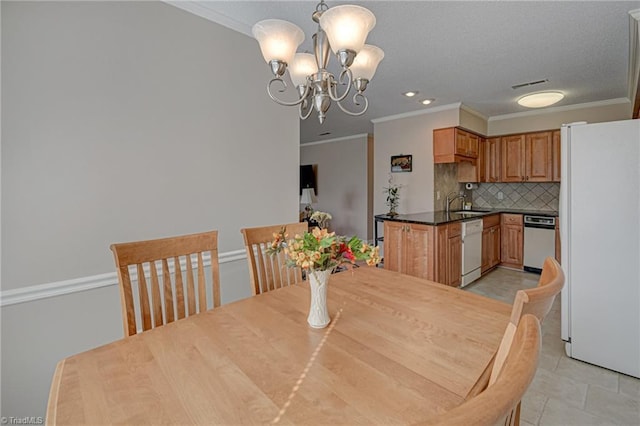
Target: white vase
{"points": [[318, 312]]}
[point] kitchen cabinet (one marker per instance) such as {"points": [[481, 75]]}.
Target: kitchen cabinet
{"points": [[490, 242], [453, 145], [492, 160], [454, 254], [557, 159], [425, 251], [512, 151], [449, 254], [409, 248], [481, 166], [511, 235], [527, 157], [539, 157]]}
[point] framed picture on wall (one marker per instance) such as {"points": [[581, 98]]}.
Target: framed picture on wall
{"points": [[401, 163]]}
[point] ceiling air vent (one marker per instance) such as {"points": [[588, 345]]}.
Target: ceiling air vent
{"points": [[531, 83]]}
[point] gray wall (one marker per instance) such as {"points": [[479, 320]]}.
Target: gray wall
{"points": [[343, 182], [123, 121]]}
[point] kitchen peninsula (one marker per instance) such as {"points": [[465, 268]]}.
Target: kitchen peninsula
{"points": [[430, 244]]}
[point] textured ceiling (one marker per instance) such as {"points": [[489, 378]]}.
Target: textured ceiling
{"points": [[469, 52]]}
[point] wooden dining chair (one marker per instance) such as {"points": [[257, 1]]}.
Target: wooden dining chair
{"points": [[144, 261], [536, 301], [499, 403], [269, 272]]}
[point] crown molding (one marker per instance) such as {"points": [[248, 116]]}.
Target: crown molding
{"points": [[416, 113], [200, 9], [474, 112], [543, 111], [341, 139], [75, 285]]}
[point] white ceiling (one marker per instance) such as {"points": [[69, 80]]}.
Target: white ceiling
{"points": [[469, 52]]}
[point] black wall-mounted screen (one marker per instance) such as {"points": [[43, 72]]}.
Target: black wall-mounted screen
{"points": [[308, 178]]}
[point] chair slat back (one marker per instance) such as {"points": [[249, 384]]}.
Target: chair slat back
{"points": [[498, 403], [270, 272], [538, 301], [535, 301], [169, 258]]}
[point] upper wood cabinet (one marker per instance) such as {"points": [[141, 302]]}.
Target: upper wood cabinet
{"points": [[527, 157], [539, 157], [492, 160], [512, 154], [557, 156], [481, 165], [452, 145]]}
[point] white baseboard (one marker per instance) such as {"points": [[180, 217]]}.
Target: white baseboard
{"points": [[59, 288]]}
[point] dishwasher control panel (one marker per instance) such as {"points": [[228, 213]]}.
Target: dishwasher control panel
{"points": [[547, 222]]}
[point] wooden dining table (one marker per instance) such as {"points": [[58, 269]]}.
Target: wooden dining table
{"points": [[398, 350]]}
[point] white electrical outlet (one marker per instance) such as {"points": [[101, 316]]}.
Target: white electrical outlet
{"points": [[500, 195], [437, 195]]}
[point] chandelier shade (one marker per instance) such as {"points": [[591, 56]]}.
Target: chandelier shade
{"points": [[343, 30], [347, 27], [303, 65], [278, 39], [366, 62]]}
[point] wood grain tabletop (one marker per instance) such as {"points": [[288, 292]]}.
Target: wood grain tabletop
{"points": [[398, 350]]}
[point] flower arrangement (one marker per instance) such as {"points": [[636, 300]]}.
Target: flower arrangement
{"points": [[320, 250]]}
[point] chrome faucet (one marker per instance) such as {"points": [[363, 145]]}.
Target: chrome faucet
{"points": [[451, 200]]}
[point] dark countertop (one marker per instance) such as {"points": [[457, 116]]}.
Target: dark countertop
{"points": [[441, 217]]}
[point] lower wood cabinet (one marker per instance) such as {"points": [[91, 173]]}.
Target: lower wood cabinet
{"points": [[425, 251], [449, 254], [512, 237], [409, 249], [490, 243]]}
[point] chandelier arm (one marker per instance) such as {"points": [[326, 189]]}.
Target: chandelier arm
{"points": [[333, 93], [355, 101], [308, 113], [284, 87]]}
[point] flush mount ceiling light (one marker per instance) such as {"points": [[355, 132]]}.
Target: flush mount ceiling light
{"points": [[410, 94], [540, 100], [427, 101], [343, 29]]}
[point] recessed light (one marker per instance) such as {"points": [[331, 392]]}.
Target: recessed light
{"points": [[540, 100], [410, 94], [427, 101]]}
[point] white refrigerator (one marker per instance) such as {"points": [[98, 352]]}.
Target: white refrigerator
{"points": [[600, 240]]}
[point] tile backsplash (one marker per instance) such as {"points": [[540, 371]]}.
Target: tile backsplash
{"points": [[533, 196], [445, 181]]}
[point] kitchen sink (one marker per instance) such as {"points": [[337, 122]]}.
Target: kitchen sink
{"points": [[469, 212]]}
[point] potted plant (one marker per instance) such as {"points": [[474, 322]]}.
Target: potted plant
{"points": [[393, 197]]}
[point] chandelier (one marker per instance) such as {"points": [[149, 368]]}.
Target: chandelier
{"points": [[341, 29]]}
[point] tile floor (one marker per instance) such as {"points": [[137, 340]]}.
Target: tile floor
{"points": [[565, 391]]}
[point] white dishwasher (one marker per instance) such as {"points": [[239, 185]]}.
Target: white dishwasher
{"points": [[539, 241], [471, 251]]}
